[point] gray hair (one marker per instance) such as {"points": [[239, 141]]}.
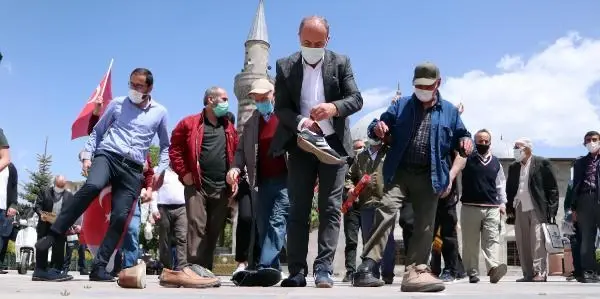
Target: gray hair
{"points": [[484, 131], [320, 19], [212, 92]]}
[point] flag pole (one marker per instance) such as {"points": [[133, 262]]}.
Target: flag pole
{"points": [[101, 95]]}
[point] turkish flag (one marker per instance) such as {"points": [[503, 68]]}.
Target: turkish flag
{"points": [[96, 220], [104, 91]]}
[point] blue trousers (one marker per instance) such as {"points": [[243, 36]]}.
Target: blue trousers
{"points": [[130, 248], [388, 262], [271, 219]]}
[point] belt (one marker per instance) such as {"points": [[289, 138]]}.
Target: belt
{"points": [[171, 206], [131, 163]]}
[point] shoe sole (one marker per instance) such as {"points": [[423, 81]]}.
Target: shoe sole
{"points": [[190, 286], [499, 272], [321, 155], [432, 288], [370, 285], [52, 280], [287, 284], [324, 285]]}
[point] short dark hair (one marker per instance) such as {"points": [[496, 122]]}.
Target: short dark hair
{"points": [[591, 134], [323, 20], [144, 72], [484, 131]]}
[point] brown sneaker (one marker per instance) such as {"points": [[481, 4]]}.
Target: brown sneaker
{"points": [[497, 273], [186, 278], [419, 279]]}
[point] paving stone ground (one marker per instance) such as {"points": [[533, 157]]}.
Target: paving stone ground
{"points": [[15, 286]]}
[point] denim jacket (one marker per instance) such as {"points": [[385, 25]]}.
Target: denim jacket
{"points": [[447, 129]]}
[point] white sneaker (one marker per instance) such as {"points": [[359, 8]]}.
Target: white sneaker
{"points": [[240, 267]]}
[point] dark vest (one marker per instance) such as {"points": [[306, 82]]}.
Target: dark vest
{"points": [[479, 181]]}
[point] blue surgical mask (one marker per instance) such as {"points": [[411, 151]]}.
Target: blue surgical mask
{"points": [[265, 108]]}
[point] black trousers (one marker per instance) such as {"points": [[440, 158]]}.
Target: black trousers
{"points": [[243, 237], [57, 259], [303, 170], [126, 179], [81, 248], [351, 228], [447, 219]]}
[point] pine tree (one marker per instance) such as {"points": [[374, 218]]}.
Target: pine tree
{"points": [[39, 179]]}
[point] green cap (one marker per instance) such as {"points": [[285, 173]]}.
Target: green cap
{"points": [[426, 74]]}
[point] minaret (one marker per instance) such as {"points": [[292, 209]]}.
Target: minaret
{"points": [[256, 65], [398, 93]]}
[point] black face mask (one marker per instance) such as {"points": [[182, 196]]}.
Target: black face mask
{"points": [[482, 149]]}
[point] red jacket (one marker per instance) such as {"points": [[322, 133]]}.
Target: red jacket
{"points": [[186, 144], [148, 172]]}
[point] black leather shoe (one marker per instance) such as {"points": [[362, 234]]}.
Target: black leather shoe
{"points": [[294, 281], [100, 274], [364, 275]]}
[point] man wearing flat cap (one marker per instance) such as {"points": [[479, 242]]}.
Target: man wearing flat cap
{"points": [[532, 195], [424, 130], [268, 175]]}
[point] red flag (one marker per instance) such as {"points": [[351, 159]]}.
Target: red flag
{"points": [[104, 91]]}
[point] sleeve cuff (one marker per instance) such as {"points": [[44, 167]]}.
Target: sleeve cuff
{"points": [[301, 123], [85, 156]]}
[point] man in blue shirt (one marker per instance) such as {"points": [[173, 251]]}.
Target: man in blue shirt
{"points": [[115, 153], [422, 131]]}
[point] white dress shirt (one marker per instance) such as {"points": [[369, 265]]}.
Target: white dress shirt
{"points": [[313, 94], [523, 195]]}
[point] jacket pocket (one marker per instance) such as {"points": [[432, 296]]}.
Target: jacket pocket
{"points": [[446, 138]]}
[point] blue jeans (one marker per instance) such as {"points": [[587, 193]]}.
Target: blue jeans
{"points": [[130, 247], [271, 220], [388, 263]]}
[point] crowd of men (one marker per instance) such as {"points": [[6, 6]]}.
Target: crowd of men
{"points": [[415, 153]]}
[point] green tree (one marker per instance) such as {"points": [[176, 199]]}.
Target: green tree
{"points": [[39, 179], [154, 154]]}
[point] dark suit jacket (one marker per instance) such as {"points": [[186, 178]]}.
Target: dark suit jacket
{"points": [[579, 175], [542, 186], [339, 87], [45, 203]]}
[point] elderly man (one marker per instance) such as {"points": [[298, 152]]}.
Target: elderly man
{"points": [[532, 199], [316, 93], [586, 206], [49, 204], [202, 150], [424, 130], [119, 144], [268, 175], [483, 205]]}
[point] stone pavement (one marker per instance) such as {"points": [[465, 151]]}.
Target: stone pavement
{"points": [[14, 286]]}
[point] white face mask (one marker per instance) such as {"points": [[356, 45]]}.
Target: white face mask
{"points": [[58, 190], [135, 96], [312, 55], [424, 95], [593, 147], [518, 154]]}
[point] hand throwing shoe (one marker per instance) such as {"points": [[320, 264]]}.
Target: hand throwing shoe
{"points": [[317, 145]]}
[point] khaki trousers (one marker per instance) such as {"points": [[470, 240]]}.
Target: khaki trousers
{"points": [[530, 244], [480, 229]]}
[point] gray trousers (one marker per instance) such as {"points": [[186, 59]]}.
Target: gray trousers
{"points": [[415, 188], [588, 221], [530, 243], [480, 229], [172, 228], [303, 171]]}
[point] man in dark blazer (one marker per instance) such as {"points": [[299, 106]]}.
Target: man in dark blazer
{"points": [[532, 199], [585, 205], [314, 90], [51, 200]]}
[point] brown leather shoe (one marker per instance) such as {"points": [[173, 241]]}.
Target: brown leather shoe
{"points": [[539, 278], [419, 279], [134, 277], [186, 278]]}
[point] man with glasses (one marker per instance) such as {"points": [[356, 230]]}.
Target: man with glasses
{"points": [[118, 147]]}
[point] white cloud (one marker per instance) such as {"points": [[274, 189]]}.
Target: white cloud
{"points": [[376, 98], [548, 97]]}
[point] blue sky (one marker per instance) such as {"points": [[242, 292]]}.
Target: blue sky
{"points": [[55, 55]]}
